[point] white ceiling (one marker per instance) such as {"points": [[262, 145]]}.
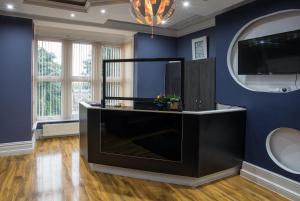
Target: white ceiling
{"points": [[199, 9]]}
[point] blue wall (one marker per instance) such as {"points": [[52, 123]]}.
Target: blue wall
{"points": [[150, 77], [184, 43], [266, 111], [15, 82]]}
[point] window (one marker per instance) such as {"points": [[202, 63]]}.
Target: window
{"points": [[67, 72], [49, 79], [113, 73], [81, 74]]}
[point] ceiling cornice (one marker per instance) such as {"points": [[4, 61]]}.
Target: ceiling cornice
{"points": [[177, 30], [203, 24], [200, 22], [59, 5], [110, 24], [106, 2], [74, 7]]}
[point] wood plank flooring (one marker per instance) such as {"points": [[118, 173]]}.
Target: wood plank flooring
{"points": [[56, 172]]}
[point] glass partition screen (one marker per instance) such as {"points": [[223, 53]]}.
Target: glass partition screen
{"points": [[127, 81]]}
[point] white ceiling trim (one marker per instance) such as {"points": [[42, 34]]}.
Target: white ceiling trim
{"points": [[48, 24], [110, 24], [59, 5], [72, 7], [208, 23], [106, 2], [119, 26]]}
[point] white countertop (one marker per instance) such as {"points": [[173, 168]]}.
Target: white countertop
{"points": [[220, 109]]}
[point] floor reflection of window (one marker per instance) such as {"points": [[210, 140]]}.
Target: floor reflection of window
{"points": [[49, 177], [75, 168], [75, 175]]}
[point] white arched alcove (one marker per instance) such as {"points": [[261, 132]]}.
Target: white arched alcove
{"points": [[283, 146], [279, 22]]}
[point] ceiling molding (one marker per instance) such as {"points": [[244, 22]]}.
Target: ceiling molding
{"points": [[187, 22], [204, 24], [74, 5], [141, 28], [76, 34], [106, 2], [200, 23], [110, 24], [75, 27], [59, 5], [185, 27]]}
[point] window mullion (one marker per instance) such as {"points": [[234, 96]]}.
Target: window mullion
{"points": [[67, 80], [96, 72]]}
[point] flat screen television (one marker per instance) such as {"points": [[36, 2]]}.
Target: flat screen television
{"points": [[273, 54]]}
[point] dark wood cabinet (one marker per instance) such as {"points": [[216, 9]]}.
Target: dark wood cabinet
{"points": [[173, 79], [200, 95], [199, 83]]}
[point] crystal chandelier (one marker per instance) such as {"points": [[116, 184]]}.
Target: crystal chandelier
{"points": [[152, 12]]}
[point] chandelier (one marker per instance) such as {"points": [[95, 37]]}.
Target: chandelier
{"points": [[152, 12]]}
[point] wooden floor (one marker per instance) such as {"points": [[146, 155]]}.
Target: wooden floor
{"points": [[55, 172]]}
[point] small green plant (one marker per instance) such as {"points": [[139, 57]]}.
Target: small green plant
{"points": [[167, 99], [167, 102], [173, 98]]}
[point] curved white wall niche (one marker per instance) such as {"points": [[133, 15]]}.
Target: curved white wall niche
{"points": [[283, 146], [283, 21]]}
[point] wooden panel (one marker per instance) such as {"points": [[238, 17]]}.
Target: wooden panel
{"points": [[56, 172], [173, 79], [200, 85], [207, 84], [192, 85]]}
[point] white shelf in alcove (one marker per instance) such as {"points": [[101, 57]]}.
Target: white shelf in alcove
{"points": [[283, 147]]}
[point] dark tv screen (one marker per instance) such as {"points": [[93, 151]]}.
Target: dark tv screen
{"points": [[274, 54]]}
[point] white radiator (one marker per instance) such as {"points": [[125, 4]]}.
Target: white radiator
{"points": [[60, 129]]}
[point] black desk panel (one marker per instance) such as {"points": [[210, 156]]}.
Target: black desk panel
{"points": [[177, 143], [141, 134]]}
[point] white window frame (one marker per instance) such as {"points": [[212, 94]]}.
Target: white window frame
{"points": [[111, 80], [67, 78], [72, 78], [37, 79]]}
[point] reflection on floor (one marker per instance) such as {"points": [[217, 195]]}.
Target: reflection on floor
{"points": [[55, 172]]}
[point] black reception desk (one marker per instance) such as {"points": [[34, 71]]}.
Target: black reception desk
{"points": [[157, 145]]}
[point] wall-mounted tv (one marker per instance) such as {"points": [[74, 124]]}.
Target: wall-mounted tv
{"points": [[273, 54]]}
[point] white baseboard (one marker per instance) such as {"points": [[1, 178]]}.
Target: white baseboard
{"points": [[16, 148], [272, 181], [166, 178]]}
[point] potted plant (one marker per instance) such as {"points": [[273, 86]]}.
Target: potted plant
{"points": [[161, 102], [170, 102], [173, 102]]}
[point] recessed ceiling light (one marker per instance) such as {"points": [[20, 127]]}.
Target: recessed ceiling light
{"points": [[103, 11], [186, 3], [72, 15], [163, 22], [10, 6]]}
